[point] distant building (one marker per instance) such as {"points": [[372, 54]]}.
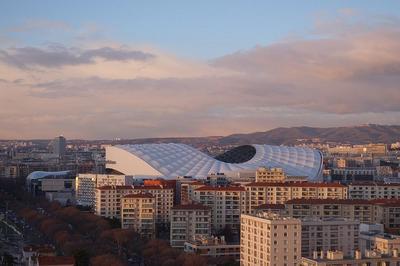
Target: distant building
{"points": [[373, 190], [265, 174], [269, 239], [59, 145]]}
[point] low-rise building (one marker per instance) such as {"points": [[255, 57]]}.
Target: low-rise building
{"points": [[138, 213], [337, 258], [212, 247], [189, 222]]}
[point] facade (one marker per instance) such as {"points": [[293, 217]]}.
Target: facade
{"points": [[264, 174], [138, 213], [270, 240], [171, 160], [382, 211], [212, 247], [108, 200], [373, 190], [226, 203], [259, 193], [329, 234], [336, 258], [189, 222], [87, 183], [384, 243]]}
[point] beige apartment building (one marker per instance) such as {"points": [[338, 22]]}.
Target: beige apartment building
{"points": [[270, 240], [383, 211], [373, 191], [259, 193], [265, 174], [86, 185], [379, 241], [108, 200], [138, 213], [324, 234], [189, 222], [226, 203]]}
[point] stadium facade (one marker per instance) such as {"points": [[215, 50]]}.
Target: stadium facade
{"points": [[170, 160]]}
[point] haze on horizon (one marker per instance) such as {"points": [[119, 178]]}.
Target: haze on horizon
{"points": [[98, 70]]}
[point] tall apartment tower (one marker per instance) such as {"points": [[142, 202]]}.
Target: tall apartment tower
{"points": [[59, 146], [270, 239]]}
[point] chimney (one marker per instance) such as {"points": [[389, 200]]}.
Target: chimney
{"points": [[395, 252], [315, 254], [357, 254]]}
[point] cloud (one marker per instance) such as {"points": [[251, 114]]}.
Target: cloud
{"points": [[58, 56], [40, 24], [341, 75]]}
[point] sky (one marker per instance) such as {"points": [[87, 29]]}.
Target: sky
{"points": [[137, 69]]}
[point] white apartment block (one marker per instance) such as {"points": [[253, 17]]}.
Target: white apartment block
{"points": [[259, 193], [86, 184], [270, 240], [373, 191], [226, 203], [138, 213], [324, 234], [189, 222], [108, 200]]}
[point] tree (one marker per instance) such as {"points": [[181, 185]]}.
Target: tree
{"points": [[106, 260], [82, 257]]}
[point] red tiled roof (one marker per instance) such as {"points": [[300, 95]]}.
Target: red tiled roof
{"points": [[293, 184], [53, 260], [210, 188], [328, 201], [133, 187], [380, 184], [190, 207], [139, 195]]}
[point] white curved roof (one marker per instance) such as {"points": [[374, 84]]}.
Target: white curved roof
{"points": [[41, 174], [172, 160]]}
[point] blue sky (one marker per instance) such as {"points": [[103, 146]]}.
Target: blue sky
{"points": [[198, 29]]}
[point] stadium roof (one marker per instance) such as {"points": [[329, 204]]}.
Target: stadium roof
{"points": [[171, 160]]}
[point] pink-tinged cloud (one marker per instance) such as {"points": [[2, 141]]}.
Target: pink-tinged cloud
{"points": [[105, 91]]}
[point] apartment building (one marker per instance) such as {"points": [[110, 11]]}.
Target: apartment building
{"points": [[108, 200], [324, 234], [189, 222], [186, 190], [138, 213], [265, 174], [226, 203], [383, 211], [86, 184], [373, 190], [360, 210], [270, 240], [259, 193]]}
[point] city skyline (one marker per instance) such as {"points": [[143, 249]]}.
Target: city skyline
{"points": [[131, 70]]}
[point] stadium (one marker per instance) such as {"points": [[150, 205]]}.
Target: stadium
{"points": [[170, 160]]}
